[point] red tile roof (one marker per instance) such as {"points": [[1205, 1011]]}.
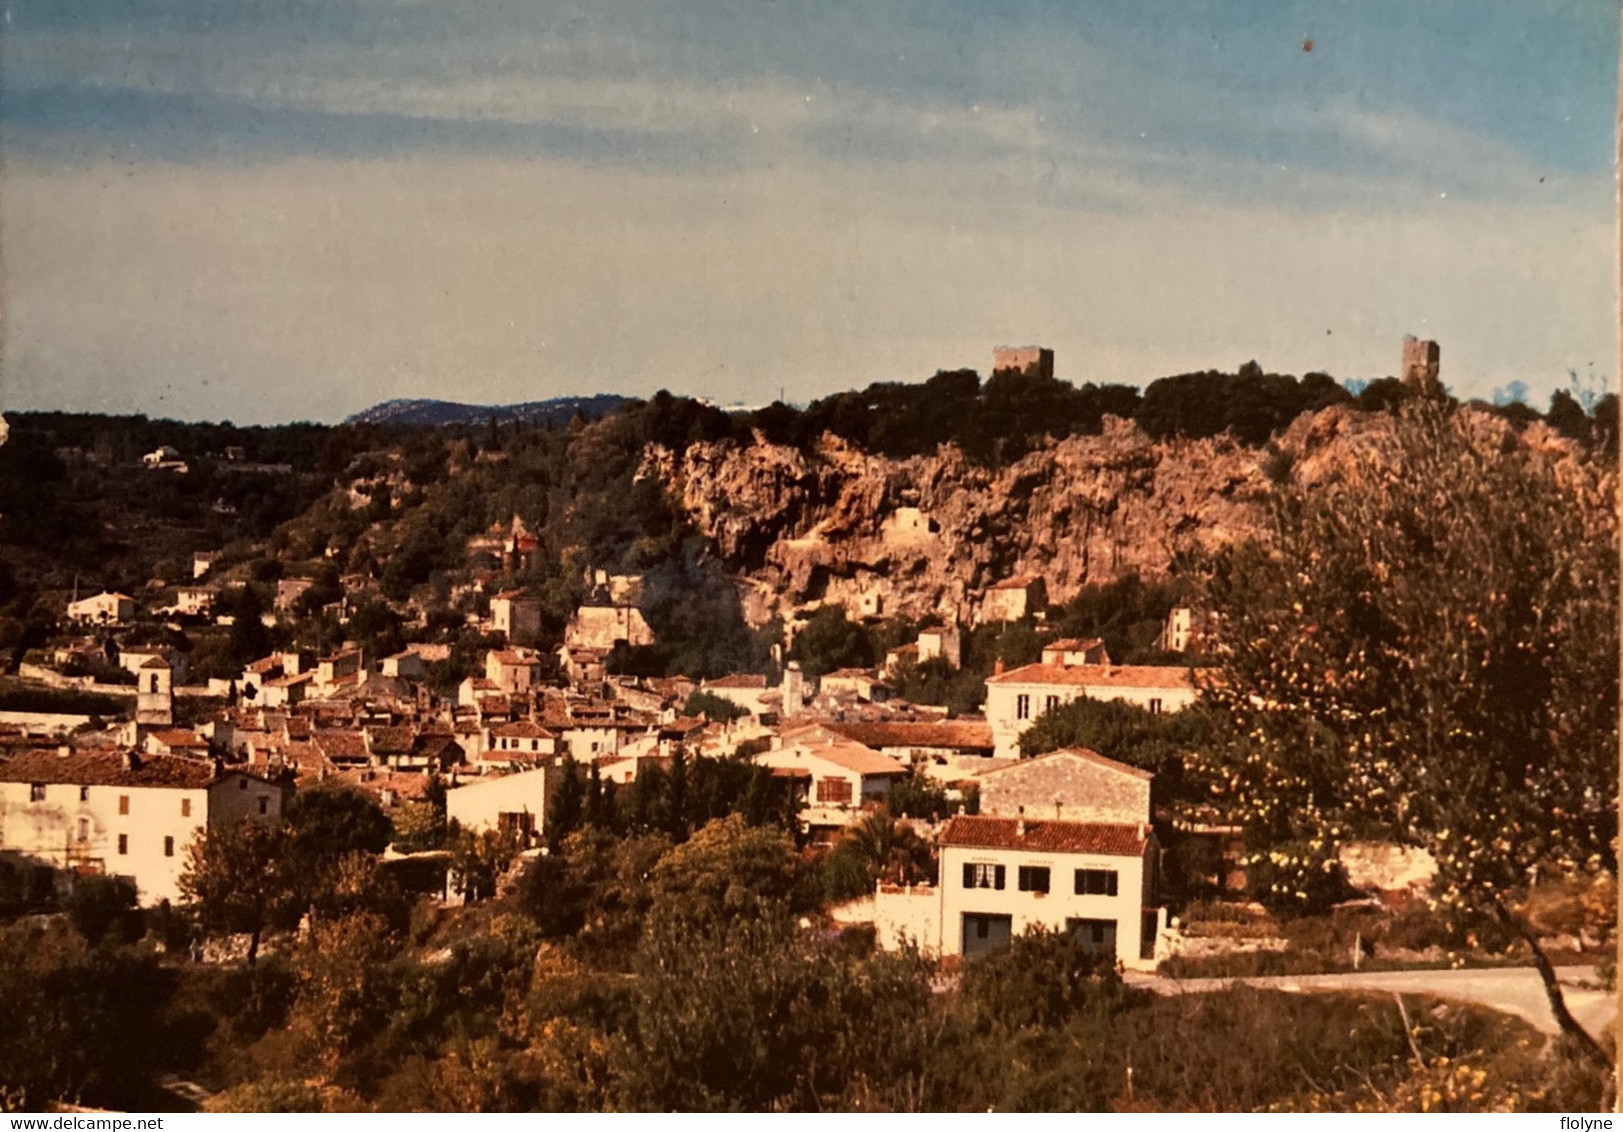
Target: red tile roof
{"points": [[521, 730], [958, 734], [1098, 676], [104, 767], [1044, 836], [737, 680]]}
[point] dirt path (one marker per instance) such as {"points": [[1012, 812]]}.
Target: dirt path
{"points": [[1514, 990]]}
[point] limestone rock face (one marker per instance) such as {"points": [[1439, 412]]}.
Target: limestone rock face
{"points": [[926, 535]]}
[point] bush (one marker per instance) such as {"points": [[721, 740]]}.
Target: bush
{"points": [[99, 905]]}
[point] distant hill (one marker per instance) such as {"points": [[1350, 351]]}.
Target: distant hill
{"points": [[425, 411]]}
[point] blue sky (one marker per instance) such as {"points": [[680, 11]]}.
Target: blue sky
{"points": [[295, 209]]}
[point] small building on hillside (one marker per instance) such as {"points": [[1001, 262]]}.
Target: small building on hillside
{"points": [[103, 609], [604, 626], [515, 616], [1014, 599], [513, 670]]}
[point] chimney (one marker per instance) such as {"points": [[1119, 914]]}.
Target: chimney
{"points": [[131, 760], [1020, 823], [997, 667]]}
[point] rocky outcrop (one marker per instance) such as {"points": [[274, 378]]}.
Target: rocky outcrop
{"points": [[926, 535]]}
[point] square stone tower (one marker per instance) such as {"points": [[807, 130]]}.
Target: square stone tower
{"points": [[1421, 361], [1033, 361]]}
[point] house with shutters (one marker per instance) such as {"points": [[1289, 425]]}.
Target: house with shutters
{"points": [[1019, 697], [511, 803], [1063, 843], [120, 813], [1003, 876], [841, 778]]}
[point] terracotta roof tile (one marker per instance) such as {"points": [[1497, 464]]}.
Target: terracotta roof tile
{"points": [[1098, 676], [981, 832], [107, 768], [961, 734]]}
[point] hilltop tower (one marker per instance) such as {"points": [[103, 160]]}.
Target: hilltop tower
{"points": [[1422, 360], [1033, 361]]}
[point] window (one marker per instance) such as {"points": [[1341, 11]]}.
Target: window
{"points": [[84, 830], [123, 844], [1033, 878], [169, 847], [264, 805], [1022, 706], [1096, 882], [36, 792], [153, 686], [185, 807], [1155, 707], [1051, 703], [983, 876], [123, 803], [84, 793], [834, 790]]}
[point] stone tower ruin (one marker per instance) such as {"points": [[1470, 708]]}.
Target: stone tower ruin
{"points": [[1033, 361], [1421, 361]]}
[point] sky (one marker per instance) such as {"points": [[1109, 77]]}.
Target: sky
{"points": [[294, 209]]}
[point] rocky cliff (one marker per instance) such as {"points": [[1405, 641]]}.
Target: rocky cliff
{"points": [[927, 535]]}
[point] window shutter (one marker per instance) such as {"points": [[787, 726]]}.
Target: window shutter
{"points": [[998, 882], [1110, 883], [969, 876]]}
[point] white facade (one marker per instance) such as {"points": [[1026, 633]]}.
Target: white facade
{"points": [[92, 811], [502, 801], [1017, 699], [841, 777], [102, 609], [1002, 877]]}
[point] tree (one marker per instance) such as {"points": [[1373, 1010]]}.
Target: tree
{"points": [[730, 869], [326, 823], [98, 904], [1425, 649], [567, 808], [236, 880]]}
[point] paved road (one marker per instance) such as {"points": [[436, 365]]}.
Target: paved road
{"points": [[1514, 990]]}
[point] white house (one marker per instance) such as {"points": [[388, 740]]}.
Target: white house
{"points": [[841, 776], [1003, 876], [515, 802], [121, 813], [1017, 698], [522, 740], [195, 601], [102, 609]]}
